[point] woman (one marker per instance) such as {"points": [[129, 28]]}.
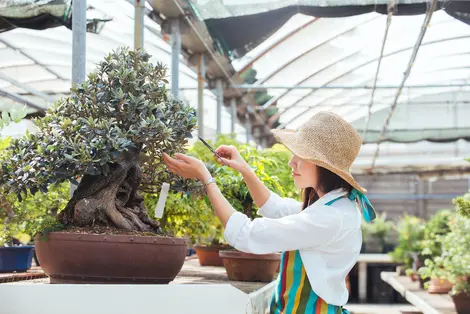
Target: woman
{"points": [[321, 237]]}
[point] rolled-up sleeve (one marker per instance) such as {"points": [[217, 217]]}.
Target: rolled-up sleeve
{"points": [[311, 228], [277, 207]]}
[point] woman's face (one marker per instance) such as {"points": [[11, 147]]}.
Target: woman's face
{"points": [[305, 174]]}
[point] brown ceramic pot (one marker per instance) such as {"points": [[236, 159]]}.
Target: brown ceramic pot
{"points": [[208, 255], [250, 267], [462, 303], [439, 286], [114, 259]]}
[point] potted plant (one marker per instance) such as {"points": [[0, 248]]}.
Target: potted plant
{"points": [[107, 138], [242, 266], [410, 230], [436, 227], [376, 233], [15, 253], [455, 261]]}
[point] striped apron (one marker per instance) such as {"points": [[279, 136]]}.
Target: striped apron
{"points": [[293, 294]]}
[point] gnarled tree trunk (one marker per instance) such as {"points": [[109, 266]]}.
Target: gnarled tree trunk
{"points": [[111, 200]]}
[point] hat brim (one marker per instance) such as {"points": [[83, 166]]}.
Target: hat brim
{"points": [[290, 139]]}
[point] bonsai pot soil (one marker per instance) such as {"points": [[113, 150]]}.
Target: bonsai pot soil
{"points": [[71, 257]]}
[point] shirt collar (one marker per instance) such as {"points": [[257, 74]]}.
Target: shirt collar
{"points": [[331, 196]]}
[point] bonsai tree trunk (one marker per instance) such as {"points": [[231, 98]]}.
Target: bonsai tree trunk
{"points": [[111, 200]]}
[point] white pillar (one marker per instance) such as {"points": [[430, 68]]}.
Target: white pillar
{"points": [[78, 49], [233, 107], [175, 56], [201, 76], [139, 6], [220, 103]]}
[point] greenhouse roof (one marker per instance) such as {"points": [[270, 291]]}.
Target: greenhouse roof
{"points": [[36, 65], [320, 55]]}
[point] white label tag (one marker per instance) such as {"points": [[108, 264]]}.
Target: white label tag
{"points": [[160, 208]]}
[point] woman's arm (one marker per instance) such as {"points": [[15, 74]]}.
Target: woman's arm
{"points": [[309, 228], [190, 167]]}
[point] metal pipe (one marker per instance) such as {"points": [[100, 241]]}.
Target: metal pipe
{"points": [[78, 41], [210, 51], [201, 76], [25, 87], [277, 43], [369, 62], [264, 87], [139, 12], [391, 7], [233, 106], [220, 104], [248, 128], [424, 27], [21, 100], [305, 53], [78, 49], [418, 103], [331, 65], [175, 56]]}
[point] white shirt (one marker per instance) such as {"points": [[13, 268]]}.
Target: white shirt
{"points": [[329, 238]]}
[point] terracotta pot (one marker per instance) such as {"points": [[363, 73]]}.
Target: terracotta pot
{"points": [[114, 259], [439, 286], [462, 303], [250, 267], [208, 255]]}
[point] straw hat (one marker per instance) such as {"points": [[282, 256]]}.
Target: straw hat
{"points": [[326, 140]]}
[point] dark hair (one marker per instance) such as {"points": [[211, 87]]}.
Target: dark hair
{"points": [[327, 181]]}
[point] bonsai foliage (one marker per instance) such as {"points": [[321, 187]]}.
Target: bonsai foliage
{"points": [[108, 138]]}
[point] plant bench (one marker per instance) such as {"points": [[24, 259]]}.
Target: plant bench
{"points": [[424, 301]]}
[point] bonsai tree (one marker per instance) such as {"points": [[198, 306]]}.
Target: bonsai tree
{"points": [[108, 138]]}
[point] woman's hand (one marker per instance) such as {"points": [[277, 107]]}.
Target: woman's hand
{"points": [[187, 167], [232, 158]]}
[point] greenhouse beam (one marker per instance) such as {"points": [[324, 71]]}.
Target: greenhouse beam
{"points": [[175, 56], [248, 127], [220, 103], [201, 75], [78, 49], [139, 6], [78, 42], [390, 9], [414, 54], [21, 100], [254, 87]]}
